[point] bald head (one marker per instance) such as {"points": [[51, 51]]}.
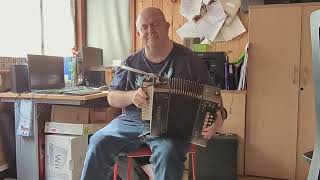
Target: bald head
{"points": [[147, 12], [153, 30]]}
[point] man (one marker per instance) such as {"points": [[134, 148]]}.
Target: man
{"points": [[128, 132]]}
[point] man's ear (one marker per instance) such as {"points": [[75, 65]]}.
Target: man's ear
{"points": [[138, 33]]}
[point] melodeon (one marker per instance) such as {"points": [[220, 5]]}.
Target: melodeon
{"points": [[181, 108]]}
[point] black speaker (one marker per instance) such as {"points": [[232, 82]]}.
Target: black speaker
{"points": [[94, 78], [216, 63], [19, 78], [217, 161]]}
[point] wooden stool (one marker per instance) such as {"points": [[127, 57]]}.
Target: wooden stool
{"points": [[144, 152]]}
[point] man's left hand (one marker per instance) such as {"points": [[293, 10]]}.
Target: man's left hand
{"points": [[208, 132]]}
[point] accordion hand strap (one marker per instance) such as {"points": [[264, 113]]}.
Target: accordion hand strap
{"points": [[223, 110]]}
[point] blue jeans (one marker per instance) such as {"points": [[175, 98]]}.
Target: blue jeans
{"points": [[123, 136]]}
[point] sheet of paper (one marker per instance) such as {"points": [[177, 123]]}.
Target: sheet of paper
{"points": [[189, 16], [209, 30], [215, 12], [190, 7], [205, 41], [188, 30], [219, 37], [25, 118], [233, 30], [231, 7], [206, 2]]}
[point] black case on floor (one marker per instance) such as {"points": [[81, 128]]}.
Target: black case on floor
{"points": [[218, 161]]}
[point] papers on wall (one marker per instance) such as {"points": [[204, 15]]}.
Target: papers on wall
{"points": [[207, 19], [207, 24], [25, 115]]}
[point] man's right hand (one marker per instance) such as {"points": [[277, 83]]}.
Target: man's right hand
{"points": [[139, 98]]}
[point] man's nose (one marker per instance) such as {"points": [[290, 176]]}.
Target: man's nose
{"points": [[150, 29]]}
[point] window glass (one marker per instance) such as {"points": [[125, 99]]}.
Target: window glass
{"points": [[58, 25], [20, 29]]}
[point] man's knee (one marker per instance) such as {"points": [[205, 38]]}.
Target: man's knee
{"points": [[169, 151], [98, 140]]}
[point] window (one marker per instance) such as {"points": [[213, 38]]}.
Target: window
{"points": [[58, 26], [36, 27], [20, 31]]}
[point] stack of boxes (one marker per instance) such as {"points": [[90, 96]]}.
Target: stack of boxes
{"points": [[66, 145]]}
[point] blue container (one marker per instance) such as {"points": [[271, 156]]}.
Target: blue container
{"points": [[67, 69]]}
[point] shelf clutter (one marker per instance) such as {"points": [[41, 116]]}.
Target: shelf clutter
{"points": [[66, 138]]}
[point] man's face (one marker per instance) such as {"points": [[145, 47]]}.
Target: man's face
{"points": [[152, 29]]}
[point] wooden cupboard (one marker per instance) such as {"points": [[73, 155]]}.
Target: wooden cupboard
{"points": [[307, 113], [280, 111]]}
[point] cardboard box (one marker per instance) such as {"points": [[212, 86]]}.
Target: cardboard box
{"points": [[103, 115], [72, 129], [69, 114], [80, 115], [65, 156]]}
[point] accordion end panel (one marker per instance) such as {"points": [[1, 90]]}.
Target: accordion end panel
{"points": [[156, 111], [146, 112], [206, 114]]}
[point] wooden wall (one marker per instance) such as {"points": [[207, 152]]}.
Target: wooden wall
{"points": [[171, 10]]}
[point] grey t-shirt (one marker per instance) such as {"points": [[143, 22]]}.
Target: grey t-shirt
{"points": [[180, 63]]}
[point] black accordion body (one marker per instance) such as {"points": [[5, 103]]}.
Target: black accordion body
{"points": [[181, 108]]}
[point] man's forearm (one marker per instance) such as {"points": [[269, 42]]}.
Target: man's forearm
{"points": [[120, 99]]}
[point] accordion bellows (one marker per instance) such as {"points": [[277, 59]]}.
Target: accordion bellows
{"points": [[181, 108]]}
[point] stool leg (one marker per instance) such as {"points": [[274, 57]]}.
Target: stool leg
{"points": [[129, 168], [115, 171], [193, 166]]}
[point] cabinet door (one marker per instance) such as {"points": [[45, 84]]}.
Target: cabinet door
{"points": [[272, 91], [307, 119]]}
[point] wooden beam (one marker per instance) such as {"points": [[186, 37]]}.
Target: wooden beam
{"points": [[133, 28], [80, 23]]}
